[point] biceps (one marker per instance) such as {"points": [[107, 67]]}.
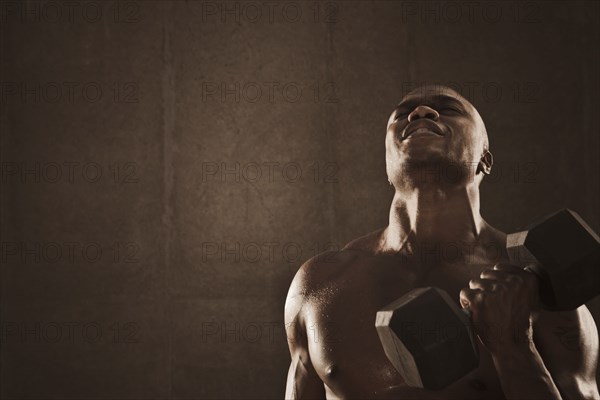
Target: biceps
{"points": [[568, 344], [303, 381], [579, 389]]}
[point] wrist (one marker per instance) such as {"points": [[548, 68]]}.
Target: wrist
{"points": [[515, 353], [523, 374], [507, 342]]}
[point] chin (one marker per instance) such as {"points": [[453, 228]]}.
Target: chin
{"points": [[431, 157], [440, 170]]}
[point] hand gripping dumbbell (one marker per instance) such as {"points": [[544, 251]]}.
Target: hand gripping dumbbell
{"points": [[427, 336]]}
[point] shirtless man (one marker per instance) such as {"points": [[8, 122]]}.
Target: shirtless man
{"points": [[436, 157]]}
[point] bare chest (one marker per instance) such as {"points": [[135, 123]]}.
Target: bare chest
{"points": [[344, 345]]}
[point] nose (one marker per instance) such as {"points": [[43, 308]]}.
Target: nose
{"points": [[423, 112]]}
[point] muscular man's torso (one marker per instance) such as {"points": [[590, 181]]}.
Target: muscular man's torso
{"points": [[347, 290]]}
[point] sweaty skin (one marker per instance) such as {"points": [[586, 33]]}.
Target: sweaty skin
{"points": [[436, 156]]}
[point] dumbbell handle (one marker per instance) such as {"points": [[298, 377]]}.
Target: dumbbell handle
{"points": [[467, 312]]}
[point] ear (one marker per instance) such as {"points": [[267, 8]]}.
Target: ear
{"points": [[485, 163]]}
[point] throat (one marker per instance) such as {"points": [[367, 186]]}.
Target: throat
{"points": [[446, 251], [424, 221]]}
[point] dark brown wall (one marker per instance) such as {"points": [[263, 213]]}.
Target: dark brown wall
{"points": [[115, 286]]}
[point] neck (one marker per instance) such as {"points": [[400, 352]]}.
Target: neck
{"points": [[432, 216]]}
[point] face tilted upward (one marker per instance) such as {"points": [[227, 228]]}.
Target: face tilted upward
{"points": [[433, 131]]}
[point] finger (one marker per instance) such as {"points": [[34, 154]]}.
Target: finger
{"points": [[493, 274], [504, 276], [485, 284], [508, 268], [532, 270], [471, 299], [468, 297]]}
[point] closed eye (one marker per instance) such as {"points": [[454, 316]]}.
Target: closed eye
{"points": [[450, 110], [400, 115]]}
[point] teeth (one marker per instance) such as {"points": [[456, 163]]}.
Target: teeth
{"points": [[422, 130]]}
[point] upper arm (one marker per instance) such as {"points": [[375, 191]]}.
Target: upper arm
{"points": [[303, 382], [568, 344]]}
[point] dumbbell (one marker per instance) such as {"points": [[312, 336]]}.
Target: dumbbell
{"points": [[428, 337]]}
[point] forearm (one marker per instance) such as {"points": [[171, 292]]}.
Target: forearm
{"points": [[523, 374]]}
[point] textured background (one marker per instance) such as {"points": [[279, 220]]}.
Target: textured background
{"points": [[166, 275]]}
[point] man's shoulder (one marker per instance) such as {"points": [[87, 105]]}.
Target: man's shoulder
{"points": [[321, 268], [311, 278], [318, 278], [369, 244], [327, 266]]}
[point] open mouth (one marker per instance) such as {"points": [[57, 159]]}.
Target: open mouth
{"points": [[421, 132], [421, 129]]}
